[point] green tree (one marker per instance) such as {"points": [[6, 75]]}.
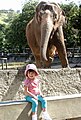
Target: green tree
{"points": [[6, 16], [2, 37], [78, 25], [70, 31], [15, 33]]}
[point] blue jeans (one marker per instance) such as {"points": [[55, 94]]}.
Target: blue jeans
{"points": [[35, 102]]}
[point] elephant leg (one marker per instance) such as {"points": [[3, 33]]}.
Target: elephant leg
{"points": [[60, 45], [38, 61], [36, 53], [47, 64], [35, 48], [62, 54]]}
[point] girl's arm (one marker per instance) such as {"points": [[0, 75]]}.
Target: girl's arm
{"points": [[29, 93], [40, 90]]}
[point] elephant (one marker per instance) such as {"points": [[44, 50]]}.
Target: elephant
{"points": [[44, 34]]}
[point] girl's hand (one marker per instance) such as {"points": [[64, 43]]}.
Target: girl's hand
{"points": [[35, 97], [42, 95]]}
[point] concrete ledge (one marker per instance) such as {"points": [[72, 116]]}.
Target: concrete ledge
{"points": [[16, 110], [59, 108], [65, 107]]}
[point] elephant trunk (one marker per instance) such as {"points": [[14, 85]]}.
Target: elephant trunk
{"points": [[46, 29]]}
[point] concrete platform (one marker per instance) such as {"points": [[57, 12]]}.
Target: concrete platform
{"points": [[59, 107]]}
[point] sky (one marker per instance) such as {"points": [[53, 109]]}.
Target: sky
{"points": [[18, 4]]}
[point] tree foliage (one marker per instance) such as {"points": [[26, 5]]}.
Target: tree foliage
{"points": [[15, 34], [71, 29], [6, 18]]}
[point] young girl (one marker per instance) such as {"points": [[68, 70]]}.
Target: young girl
{"points": [[33, 93]]}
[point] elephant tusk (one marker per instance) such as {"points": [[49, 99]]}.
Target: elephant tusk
{"points": [[52, 33], [51, 59]]}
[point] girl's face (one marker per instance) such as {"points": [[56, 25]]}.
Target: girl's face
{"points": [[31, 74]]}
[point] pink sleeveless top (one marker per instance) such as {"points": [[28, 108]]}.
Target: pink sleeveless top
{"points": [[33, 86]]}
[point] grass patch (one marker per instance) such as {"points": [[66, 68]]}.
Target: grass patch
{"points": [[14, 65]]}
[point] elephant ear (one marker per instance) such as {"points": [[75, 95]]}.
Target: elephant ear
{"points": [[39, 8], [62, 20], [60, 15]]}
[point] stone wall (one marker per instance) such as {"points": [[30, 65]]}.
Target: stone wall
{"points": [[54, 82]]}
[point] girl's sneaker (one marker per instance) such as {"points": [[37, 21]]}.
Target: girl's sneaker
{"points": [[46, 116], [34, 117]]}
